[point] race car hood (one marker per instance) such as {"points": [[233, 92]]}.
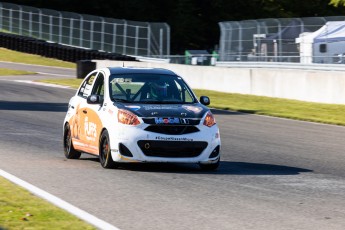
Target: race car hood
{"points": [[166, 110]]}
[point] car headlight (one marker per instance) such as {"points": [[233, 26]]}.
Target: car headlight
{"points": [[127, 118], [209, 119]]}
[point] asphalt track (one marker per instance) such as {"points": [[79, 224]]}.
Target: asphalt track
{"points": [[275, 173]]}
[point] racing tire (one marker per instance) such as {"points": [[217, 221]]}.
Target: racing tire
{"points": [[105, 151], [69, 151], [210, 167]]}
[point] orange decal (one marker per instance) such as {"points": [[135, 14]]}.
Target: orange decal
{"points": [[85, 148], [74, 123], [86, 128]]}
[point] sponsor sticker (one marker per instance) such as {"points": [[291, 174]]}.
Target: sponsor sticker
{"points": [[168, 120], [121, 80], [90, 129], [160, 107], [184, 121], [173, 138]]}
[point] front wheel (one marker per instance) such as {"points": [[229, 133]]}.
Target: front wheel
{"points": [[105, 152], [210, 167], [69, 151]]}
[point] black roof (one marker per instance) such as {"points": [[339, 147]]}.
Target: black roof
{"points": [[131, 70]]}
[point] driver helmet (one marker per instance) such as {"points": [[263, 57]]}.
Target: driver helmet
{"points": [[159, 89]]}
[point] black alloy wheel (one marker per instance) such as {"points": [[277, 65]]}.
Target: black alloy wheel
{"points": [[105, 152], [69, 151]]}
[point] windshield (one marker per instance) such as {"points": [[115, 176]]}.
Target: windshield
{"points": [[149, 88]]}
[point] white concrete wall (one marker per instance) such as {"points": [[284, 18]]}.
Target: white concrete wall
{"points": [[305, 85]]}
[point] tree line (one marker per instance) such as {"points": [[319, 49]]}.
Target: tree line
{"points": [[194, 23]]}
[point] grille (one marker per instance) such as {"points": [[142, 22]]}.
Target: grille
{"points": [[172, 129], [172, 148]]}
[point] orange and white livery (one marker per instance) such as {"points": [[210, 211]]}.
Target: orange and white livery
{"points": [[127, 115]]}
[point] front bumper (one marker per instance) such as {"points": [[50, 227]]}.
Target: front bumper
{"points": [[146, 146]]}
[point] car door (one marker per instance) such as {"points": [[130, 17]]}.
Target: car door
{"points": [[79, 121], [92, 113]]}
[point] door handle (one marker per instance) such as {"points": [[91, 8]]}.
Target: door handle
{"points": [[85, 111]]}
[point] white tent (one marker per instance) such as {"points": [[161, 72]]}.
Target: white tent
{"points": [[333, 30]]}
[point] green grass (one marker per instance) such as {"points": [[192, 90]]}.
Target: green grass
{"points": [[72, 82], [14, 56], [9, 72], [293, 109], [19, 209]]}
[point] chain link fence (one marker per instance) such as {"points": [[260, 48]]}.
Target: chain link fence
{"points": [[87, 31], [284, 40]]}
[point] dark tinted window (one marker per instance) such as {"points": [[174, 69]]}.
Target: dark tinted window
{"points": [[323, 48]]}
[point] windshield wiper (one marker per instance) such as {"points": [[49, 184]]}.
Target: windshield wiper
{"points": [[172, 102], [150, 102], [120, 100], [161, 102]]}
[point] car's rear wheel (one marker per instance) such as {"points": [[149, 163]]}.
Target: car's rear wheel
{"points": [[69, 151], [210, 167], [105, 151]]}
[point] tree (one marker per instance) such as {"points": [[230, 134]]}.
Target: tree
{"points": [[337, 2]]}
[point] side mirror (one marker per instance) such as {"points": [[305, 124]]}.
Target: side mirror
{"points": [[205, 100], [94, 99]]}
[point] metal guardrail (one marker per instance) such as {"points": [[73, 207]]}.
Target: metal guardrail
{"points": [[272, 39], [86, 31], [55, 50]]}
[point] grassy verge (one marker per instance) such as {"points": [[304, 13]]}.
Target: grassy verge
{"points": [[14, 56], [293, 109], [22, 210], [9, 72], [72, 82]]}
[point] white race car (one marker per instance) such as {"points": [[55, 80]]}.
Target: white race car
{"points": [[140, 115]]}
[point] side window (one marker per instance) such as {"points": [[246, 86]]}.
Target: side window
{"points": [[98, 88], [323, 48], [85, 89]]}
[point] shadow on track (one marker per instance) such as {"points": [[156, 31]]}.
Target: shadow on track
{"points": [[33, 106], [225, 112], [229, 112], [244, 168], [225, 168]]}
